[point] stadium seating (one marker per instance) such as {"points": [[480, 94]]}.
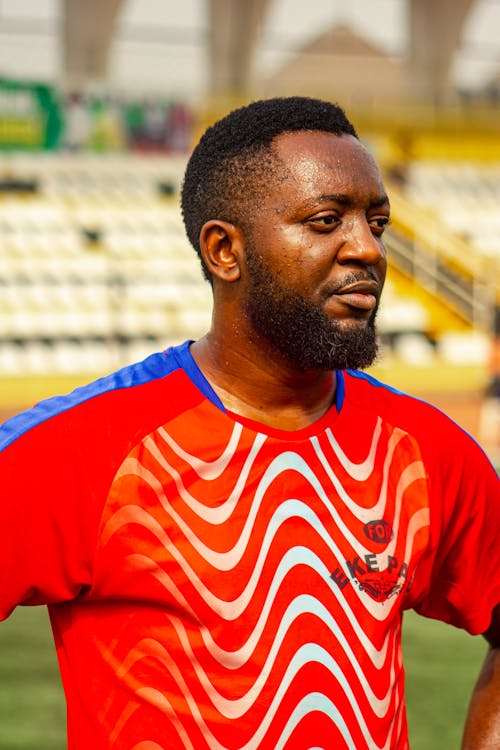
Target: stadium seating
{"points": [[467, 196], [95, 269]]}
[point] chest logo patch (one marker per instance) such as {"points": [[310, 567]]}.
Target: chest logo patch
{"points": [[379, 531]]}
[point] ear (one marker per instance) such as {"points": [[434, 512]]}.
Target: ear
{"points": [[222, 246]]}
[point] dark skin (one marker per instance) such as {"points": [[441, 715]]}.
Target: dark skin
{"points": [[482, 726], [316, 226], [322, 220]]}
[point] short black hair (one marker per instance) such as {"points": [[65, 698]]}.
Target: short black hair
{"points": [[233, 159]]}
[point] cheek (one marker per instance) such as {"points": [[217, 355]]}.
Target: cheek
{"points": [[294, 247], [293, 257]]}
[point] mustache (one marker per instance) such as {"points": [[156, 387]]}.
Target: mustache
{"points": [[349, 279]]}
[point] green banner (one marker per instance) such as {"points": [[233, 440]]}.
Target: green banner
{"points": [[30, 116]]}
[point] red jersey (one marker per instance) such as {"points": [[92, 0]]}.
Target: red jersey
{"points": [[216, 584]]}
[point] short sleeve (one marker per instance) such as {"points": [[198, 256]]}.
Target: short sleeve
{"points": [[48, 512], [57, 463], [464, 578]]}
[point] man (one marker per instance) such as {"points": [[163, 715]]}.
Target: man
{"points": [[228, 533]]}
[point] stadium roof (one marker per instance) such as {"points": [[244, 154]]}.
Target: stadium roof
{"points": [[161, 45]]}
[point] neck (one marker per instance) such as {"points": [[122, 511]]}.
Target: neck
{"points": [[263, 385]]}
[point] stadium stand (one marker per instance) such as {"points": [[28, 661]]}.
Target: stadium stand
{"points": [[468, 196], [96, 270], [444, 250]]}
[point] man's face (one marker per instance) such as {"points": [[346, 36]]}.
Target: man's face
{"points": [[315, 258]]}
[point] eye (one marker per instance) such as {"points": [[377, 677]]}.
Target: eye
{"points": [[323, 222], [378, 224]]}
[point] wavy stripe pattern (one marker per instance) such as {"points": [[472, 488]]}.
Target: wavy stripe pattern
{"points": [[265, 615]]}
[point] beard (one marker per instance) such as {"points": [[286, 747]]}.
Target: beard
{"points": [[301, 330]]}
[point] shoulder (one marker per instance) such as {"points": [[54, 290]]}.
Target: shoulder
{"points": [[92, 405], [364, 390], [436, 433]]}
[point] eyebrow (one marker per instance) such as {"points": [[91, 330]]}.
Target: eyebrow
{"points": [[345, 200]]}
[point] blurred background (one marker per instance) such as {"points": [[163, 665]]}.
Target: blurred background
{"points": [[100, 104]]}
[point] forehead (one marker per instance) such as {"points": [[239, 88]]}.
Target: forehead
{"points": [[318, 163]]}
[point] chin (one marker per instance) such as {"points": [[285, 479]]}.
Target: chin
{"points": [[355, 324]]}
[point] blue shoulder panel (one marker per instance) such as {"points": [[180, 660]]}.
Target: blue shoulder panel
{"points": [[377, 383], [155, 366], [183, 356]]}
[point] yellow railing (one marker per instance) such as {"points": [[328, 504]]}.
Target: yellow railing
{"points": [[442, 263]]}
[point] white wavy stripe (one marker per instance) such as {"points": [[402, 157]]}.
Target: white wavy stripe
{"points": [[361, 512], [223, 608], [232, 609], [304, 655], [289, 460], [326, 707], [412, 473], [228, 560], [318, 702], [213, 515], [235, 708], [206, 469], [304, 604], [270, 532], [310, 702], [299, 605], [419, 520], [359, 471], [285, 461]]}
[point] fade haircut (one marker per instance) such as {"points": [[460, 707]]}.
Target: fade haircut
{"points": [[233, 161]]}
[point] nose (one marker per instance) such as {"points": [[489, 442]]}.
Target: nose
{"points": [[361, 246]]}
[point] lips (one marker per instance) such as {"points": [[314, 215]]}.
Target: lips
{"points": [[362, 295]]}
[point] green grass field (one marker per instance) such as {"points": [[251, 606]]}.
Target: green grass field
{"points": [[441, 666]]}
